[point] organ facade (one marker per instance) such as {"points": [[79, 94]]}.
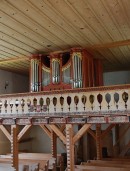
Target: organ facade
{"points": [[61, 71]]}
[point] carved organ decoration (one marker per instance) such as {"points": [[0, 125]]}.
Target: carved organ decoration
{"points": [[70, 70]]}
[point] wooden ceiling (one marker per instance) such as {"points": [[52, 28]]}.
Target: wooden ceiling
{"points": [[42, 26]]}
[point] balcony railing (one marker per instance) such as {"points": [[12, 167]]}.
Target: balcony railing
{"points": [[76, 103]]}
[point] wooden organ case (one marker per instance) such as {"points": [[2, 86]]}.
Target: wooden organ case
{"points": [[60, 71]]}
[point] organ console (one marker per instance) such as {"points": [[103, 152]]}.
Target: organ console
{"points": [[69, 70]]}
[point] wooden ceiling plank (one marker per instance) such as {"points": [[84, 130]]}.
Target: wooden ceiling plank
{"points": [[28, 22], [110, 11], [24, 30], [18, 51], [10, 67], [16, 42], [51, 13], [29, 41], [4, 130], [15, 65], [14, 70]]}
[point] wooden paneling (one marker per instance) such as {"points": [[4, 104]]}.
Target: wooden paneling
{"points": [[101, 26]]}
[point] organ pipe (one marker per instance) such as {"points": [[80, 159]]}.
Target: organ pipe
{"points": [[55, 71], [77, 70], [34, 75]]}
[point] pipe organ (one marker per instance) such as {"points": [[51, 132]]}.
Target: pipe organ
{"points": [[70, 70]]}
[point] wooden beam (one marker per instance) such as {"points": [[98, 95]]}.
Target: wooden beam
{"points": [[122, 134], [98, 141], [108, 129], [125, 149], [14, 146], [4, 130], [46, 130], [54, 144], [70, 147], [109, 45], [14, 59], [23, 131], [58, 133], [81, 132], [98, 46], [91, 132], [62, 128]]}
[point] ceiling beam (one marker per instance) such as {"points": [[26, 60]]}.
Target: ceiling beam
{"points": [[109, 45], [14, 59]]}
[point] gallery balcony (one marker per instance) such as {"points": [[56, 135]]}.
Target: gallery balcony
{"points": [[109, 104]]}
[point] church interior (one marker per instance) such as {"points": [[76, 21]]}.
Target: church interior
{"points": [[64, 85]]}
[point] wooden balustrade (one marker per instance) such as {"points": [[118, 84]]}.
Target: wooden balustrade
{"points": [[92, 105]]}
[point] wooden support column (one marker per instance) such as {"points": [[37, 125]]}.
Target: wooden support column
{"points": [[80, 151], [117, 146], [54, 144], [70, 147], [14, 146], [98, 141]]}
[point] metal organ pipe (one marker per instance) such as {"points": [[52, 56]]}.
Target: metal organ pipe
{"points": [[73, 73], [58, 71], [55, 71], [80, 73], [36, 82], [77, 71], [34, 75]]}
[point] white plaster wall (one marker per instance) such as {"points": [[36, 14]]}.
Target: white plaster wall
{"points": [[42, 143], [114, 78], [16, 84]]}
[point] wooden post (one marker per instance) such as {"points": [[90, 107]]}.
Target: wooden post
{"points": [[70, 147], [14, 146], [80, 151], [54, 144], [98, 141], [117, 146]]}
